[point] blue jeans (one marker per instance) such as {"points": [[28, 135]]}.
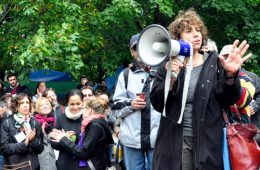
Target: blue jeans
{"points": [[1, 162], [138, 159]]}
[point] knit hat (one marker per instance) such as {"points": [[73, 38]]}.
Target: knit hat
{"points": [[226, 50]]}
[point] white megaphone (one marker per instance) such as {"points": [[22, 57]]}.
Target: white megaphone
{"points": [[155, 45]]}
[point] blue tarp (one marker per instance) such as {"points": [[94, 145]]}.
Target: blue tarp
{"points": [[49, 75], [111, 81]]}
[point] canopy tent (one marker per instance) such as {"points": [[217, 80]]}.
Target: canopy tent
{"points": [[49, 75]]}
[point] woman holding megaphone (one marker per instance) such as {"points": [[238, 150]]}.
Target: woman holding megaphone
{"points": [[191, 132]]}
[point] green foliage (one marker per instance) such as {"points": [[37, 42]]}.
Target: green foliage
{"points": [[235, 19], [43, 35], [91, 36]]}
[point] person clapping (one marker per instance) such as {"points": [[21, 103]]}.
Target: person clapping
{"points": [[95, 137]]}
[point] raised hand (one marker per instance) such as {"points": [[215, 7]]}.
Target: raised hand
{"points": [[236, 57]]}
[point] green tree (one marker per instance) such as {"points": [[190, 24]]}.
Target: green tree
{"points": [[235, 19], [226, 20], [91, 36], [42, 35]]}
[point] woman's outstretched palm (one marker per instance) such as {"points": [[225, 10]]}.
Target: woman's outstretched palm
{"points": [[236, 57]]}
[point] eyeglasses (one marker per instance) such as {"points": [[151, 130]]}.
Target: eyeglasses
{"points": [[87, 95]]}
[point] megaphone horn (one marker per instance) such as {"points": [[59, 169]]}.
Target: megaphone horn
{"points": [[155, 45]]}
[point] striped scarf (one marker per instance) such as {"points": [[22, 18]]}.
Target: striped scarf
{"points": [[247, 92], [22, 121]]}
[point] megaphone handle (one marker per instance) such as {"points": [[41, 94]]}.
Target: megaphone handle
{"points": [[181, 59]]}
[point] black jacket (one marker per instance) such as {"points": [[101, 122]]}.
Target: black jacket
{"points": [[67, 160], [211, 93], [96, 140], [16, 152], [20, 89]]}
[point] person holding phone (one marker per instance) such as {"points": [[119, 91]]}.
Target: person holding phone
{"points": [[131, 103]]}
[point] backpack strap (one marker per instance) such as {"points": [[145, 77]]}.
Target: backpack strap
{"points": [[126, 73]]}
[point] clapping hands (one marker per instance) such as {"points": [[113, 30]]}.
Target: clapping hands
{"points": [[30, 135], [57, 135]]}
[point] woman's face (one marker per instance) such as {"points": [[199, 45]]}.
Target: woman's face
{"points": [[24, 106], [52, 97], [83, 81], [87, 94], [75, 104], [42, 87], [8, 101], [44, 108], [193, 35]]}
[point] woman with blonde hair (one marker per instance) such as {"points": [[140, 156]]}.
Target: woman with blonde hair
{"points": [[47, 120], [94, 139]]}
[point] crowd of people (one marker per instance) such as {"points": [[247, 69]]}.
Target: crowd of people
{"points": [[38, 132], [35, 126]]}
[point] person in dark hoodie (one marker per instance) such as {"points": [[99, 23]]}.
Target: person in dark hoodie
{"points": [[95, 137]]}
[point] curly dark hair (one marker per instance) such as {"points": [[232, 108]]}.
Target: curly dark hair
{"points": [[15, 102], [184, 20]]}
